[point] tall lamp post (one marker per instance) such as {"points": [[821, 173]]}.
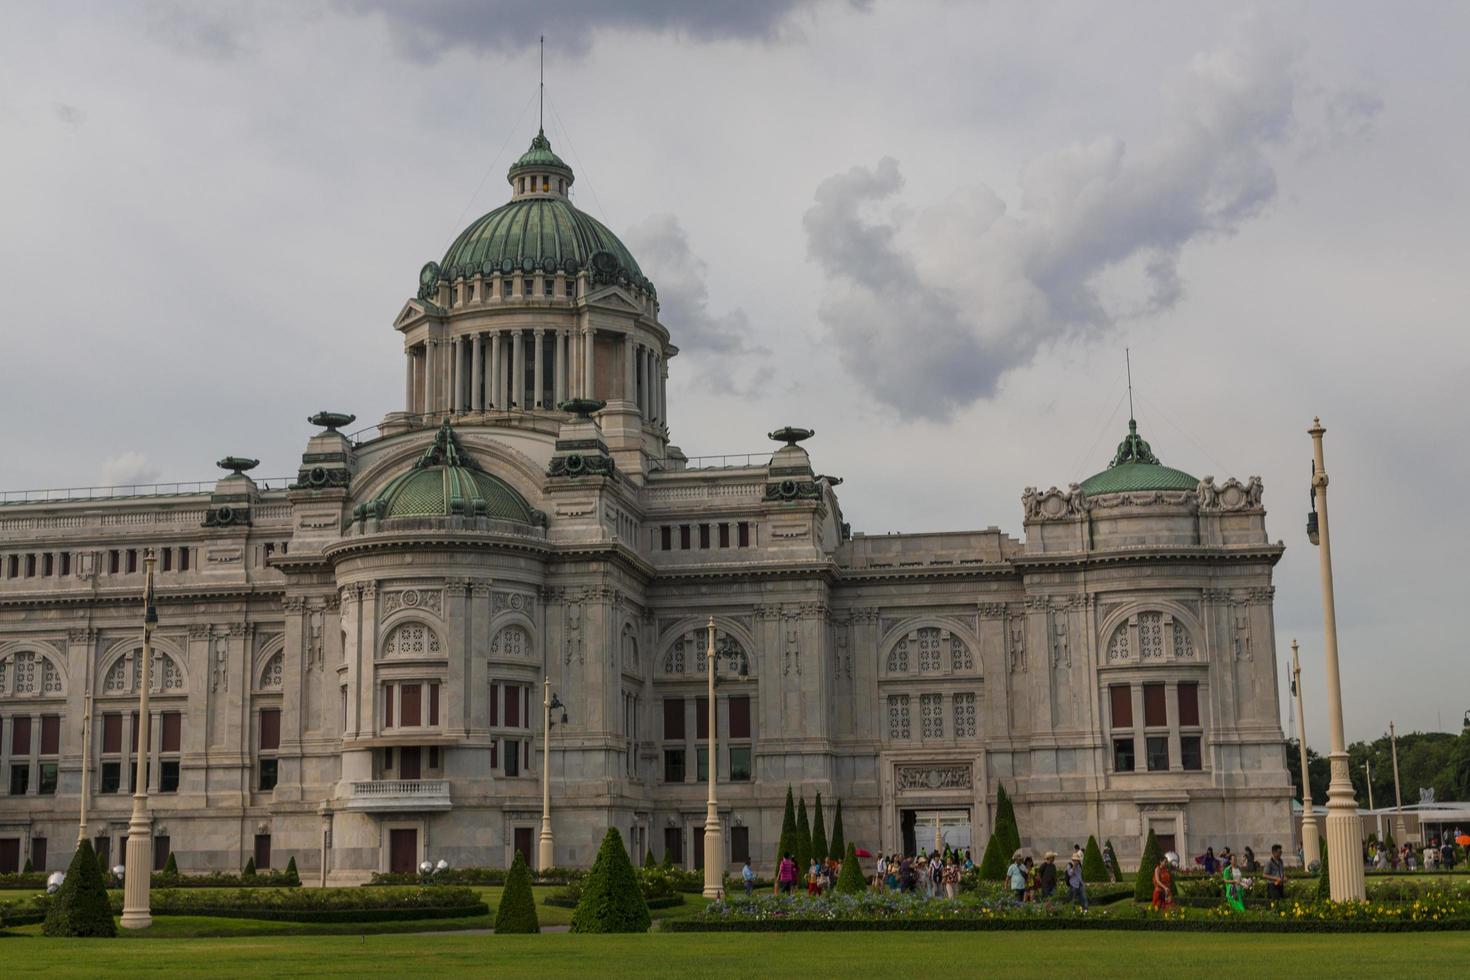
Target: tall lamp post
{"points": [[1368, 775], [1344, 830], [1399, 833], [139, 865], [546, 850], [86, 765], [714, 838], [1311, 846]]}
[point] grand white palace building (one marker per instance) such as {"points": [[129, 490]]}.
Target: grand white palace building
{"points": [[349, 666]]}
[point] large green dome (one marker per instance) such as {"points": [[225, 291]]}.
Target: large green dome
{"points": [[446, 482], [1135, 467], [538, 233]]}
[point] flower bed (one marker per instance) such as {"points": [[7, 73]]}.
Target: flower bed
{"points": [[476, 876], [660, 890]]}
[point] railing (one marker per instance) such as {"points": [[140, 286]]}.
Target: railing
{"points": [[399, 794], [63, 494], [728, 461]]}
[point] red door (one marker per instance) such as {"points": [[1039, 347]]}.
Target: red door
{"points": [[262, 852], [403, 851], [408, 763], [9, 855], [523, 844]]}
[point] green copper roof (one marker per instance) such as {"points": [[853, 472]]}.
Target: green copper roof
{"points": [[545, 233], [540, 156], [444, 482], [1135, 467]]}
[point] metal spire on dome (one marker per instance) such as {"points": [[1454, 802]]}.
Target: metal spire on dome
{"points": [[541, 103]]}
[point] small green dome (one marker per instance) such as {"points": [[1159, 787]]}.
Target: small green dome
{"points": [[447, 482], [1135, 467], [540, 157]]}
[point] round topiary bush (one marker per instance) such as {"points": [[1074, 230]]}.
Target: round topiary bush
{"points": [[80, 906], [850, 880], [517, 911], [612, 900]]}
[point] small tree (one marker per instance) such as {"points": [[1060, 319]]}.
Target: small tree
{"points": [[1005, 816], [819, 832], [250, 867], [787, 843], [1093, 868], [1324, 884], [517, 911], [102, 867], [1143, 884], [292, 874], [80, 906], [1113, 864], [993, 865], [803, 839], [648, 861], [837, 846], [612, 899], [171, 867], [669, 858], [850, 880]]}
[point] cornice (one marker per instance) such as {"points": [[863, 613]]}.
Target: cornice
{"points": [[1270, 553]]}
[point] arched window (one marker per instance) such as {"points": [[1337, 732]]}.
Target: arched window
{"points": [[126, 672], [272, 677], [411, 640], [924, 650], [511, 641], [694, 646], [1151, 636], [27, 674]]}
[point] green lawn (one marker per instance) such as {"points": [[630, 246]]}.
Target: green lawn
{"points": [[1089, 954]]}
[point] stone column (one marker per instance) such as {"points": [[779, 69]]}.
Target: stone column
{"points": [[497, 398], [431, 365], [477, 375], [630, 373], [456, 381], [589, 362], [408, 402], [538, 399], [518, 371], [559, 376], [661, 382]]}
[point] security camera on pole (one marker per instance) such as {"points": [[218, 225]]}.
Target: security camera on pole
{"points": [[1344, 830], [1311, 845], [139, 864]]}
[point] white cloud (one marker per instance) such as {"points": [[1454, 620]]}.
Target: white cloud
{"points": [[127, 469]]}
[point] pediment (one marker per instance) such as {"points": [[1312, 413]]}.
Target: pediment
{"points": [[615, 298], [413, 311]]}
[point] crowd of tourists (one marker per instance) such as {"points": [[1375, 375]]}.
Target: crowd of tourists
{"points": [[1435, 855], [933, 875]]}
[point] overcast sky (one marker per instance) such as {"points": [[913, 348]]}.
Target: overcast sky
{"points": [[927, 231]]}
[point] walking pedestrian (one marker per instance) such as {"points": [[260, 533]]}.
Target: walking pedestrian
{"points": [[1275, 875], [1046, 876], [747, 874], [1076, 886]]}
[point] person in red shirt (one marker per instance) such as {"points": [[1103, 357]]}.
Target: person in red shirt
{"points": [[786, 875]]}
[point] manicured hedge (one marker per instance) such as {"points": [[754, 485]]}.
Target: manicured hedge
{"points": [[28, 880], [476, 876], [654, 904], [220, 879], [1157, 924]]}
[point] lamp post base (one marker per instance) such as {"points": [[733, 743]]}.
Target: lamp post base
{"points": [[1311, 841], [136, 912], [714, 863], [1344, 836], [545, 847]]}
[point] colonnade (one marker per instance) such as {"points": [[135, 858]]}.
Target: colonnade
{"points": [[530, 369]]}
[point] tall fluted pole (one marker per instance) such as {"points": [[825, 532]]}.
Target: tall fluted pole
{"points": [[86, 766], [546, 852], [136, 912], [1311, 844], [1399, 833], [1344, 830], [714, 846]]}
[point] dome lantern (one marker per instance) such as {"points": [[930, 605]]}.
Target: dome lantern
{"points": [[539, 172]]}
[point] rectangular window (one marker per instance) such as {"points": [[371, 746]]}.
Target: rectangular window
{"points": [[1189, 704], [133, 733], [512, 757], [267, 775], [673, 719], [111, 777], [112, 733], [1154, 713], [132, 556], [512, 706], [410, 705], [66, 563], [166, 562], [15, 566], [1189, 753], [666, 538], [433, 757], [1121, 696], [494, 705], [168, 776], [20, 779], [744, 535], [704, 535], [171, 736], [673, 765], [433, 704], [20, 736], [701, 718], [270, 729], [112, 561], [683, 537], [160, 852], [48, 564], [739, 708], [724, 535], [739, 844], [740, 764], [30, 566], [1158, 753], [1122, 755], [47, 785], [50, 734], [495, 753], [701, 763], [387, 705], [184, 559], [38, 853]]}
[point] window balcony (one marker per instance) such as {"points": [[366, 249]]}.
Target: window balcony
{"points": [[399, 795]]}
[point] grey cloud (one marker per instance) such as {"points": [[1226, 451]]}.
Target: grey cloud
{"points": [[203, 30], [930, 309], [423, 31], [69, 114]]}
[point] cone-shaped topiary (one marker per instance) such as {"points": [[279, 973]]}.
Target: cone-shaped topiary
{"points": [[612, 899], [803, 839], [1143, 883], [850, 880], [648, 861], [1324, 884], [28, 867], [517, 911], [80, 906], [669, 858], [1113, 864], [1005, 816], [171, 867], [993, 865], [1093, 868], [787, 844], [102, 868], [837, 846], [291, 873], [819, 832], [250, 867]]}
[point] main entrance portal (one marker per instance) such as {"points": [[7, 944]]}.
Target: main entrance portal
{"points": [[934, 829]]}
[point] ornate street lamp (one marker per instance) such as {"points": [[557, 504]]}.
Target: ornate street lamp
{"points": [[546, 850], [1399, 833], [139, 865], [714, 839], [1311, 845], [1344, 829]]}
